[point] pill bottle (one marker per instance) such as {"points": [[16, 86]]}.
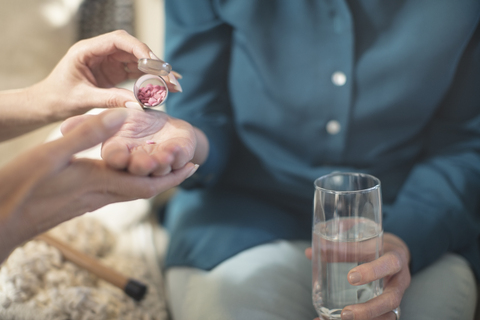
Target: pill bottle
{"points": [[151, 90]]}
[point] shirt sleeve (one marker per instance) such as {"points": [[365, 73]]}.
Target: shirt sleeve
{"points": [[197, 45], [437, 209]]}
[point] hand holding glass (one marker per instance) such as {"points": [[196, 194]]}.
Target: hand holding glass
{"points": [[347, 232]]}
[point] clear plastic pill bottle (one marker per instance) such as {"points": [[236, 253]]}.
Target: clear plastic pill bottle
{"points": [[151, 90]]}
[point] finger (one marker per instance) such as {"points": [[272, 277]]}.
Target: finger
{"points": [[115, 154], [71, 123], [382, 305], [108, 75], [132, 70], [172, 83], [170, 79], [177, 75], [126, 58], [164, 161], [87, 134], [180, 148], [134, 105], [108, 98], [175, 177], [135, 187], [37, 163], [181, 157], [388, 264], [161, 170], [111, 43], [52, 156], [376, 308], [308, 253], [141, 163]]}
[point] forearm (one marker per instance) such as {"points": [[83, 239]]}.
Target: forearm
{"points": [[5, 246], [4, 252], [18, 178], [15, 187], [8, 240], [23, 110]]}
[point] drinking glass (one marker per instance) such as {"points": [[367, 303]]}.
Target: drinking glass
{"points": [[347, 232]]}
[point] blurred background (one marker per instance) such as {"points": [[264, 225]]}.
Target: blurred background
{"points": [[37, 33]]}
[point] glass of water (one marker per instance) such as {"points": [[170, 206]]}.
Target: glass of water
{"points": [[347, 231]]}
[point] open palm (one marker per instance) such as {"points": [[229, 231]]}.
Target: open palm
{"points": [[150, 143]]}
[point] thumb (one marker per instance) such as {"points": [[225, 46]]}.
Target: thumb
{"points": [[308, 253], [90, 132], [25, 172], [110, 98], [72, 122]]}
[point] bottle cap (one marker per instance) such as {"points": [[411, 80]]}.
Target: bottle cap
{"points": [[153, 66]]}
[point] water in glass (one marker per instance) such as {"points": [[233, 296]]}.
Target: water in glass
{"points": [[340, 245]]}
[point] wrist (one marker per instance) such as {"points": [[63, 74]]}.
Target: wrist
{"points": [[42, 103]]}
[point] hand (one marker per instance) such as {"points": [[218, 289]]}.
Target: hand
{"points": [[86, 76], [46, 186], [82, 80], [149, 143], [393, 267]]}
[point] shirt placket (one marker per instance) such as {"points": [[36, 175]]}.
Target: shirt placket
{"points": [[338, 75]]}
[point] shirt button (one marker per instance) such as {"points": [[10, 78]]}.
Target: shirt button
{"points": [[339, 78], [333, 127]]}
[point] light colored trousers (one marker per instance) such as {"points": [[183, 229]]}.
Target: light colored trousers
{"points": [[273, 282]]}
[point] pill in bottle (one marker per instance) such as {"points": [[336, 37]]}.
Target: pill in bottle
{"points": [[151, 90]]}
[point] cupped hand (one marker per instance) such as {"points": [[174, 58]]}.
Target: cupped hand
{"points": [[392, 266], [86, 76], [47, 185], [149, 143]]}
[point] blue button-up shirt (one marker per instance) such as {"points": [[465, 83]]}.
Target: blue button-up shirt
{"points": [[287, 91]]}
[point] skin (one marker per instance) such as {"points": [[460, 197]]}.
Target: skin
{"points": [[128, 150], [176, 143], [85, 78], [47, 185], [393, 267]]}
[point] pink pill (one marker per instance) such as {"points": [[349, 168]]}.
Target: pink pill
{"points": [[151, 95]]}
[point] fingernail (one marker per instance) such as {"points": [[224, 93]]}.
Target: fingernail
{"points": [[347, 315], [153, 56], [175, 82], [354, 277], [113, 118], [177, 75], [195, 167], [133, 105]]}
